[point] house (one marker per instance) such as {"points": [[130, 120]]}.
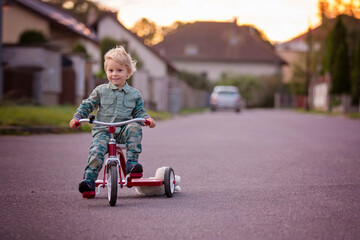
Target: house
{"points": [[157, 77], [295, 53], [215, 48], [52, 73], [43, 64]]}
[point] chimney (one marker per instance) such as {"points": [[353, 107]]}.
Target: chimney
{"points": [[235, 20]]}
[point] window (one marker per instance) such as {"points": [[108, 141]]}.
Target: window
{"points": [[191, 49]]}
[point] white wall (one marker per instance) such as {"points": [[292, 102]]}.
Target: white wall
{"points": [[16, 20], [79, 68], [49, 60], [152, 63], [320, 97], [50, 84], [215, 69], [94, 51]]}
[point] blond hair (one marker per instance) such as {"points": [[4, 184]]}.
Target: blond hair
{"points": [[119, 55]]}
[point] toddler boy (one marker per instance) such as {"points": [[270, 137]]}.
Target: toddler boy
{"points": [[116, 101]]}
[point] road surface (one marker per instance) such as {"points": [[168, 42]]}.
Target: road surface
{"points": [[260, 174]]}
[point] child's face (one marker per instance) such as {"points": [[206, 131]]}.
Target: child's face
{"points": [[116, 73]]}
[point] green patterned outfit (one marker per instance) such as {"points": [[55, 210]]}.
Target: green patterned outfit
{"points": [[114, 105]]}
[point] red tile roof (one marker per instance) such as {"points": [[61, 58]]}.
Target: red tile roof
{"points": [[216, 41]]}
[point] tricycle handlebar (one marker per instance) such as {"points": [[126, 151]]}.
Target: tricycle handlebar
{"points": [[116, 124]]}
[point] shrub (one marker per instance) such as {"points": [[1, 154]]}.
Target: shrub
{"points": [[256, 91], [32, 36], [79, 48]]}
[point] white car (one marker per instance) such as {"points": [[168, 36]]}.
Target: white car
{"points": [[225, 97]]}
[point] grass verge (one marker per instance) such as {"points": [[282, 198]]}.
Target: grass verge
{"points": [[29, 119], [350, 115]]}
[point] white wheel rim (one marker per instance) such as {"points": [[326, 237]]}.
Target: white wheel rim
{"points": [[172, 182], [108, 185]]}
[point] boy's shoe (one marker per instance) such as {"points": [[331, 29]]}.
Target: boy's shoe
{"points": [[87, 188], [133, 167]]}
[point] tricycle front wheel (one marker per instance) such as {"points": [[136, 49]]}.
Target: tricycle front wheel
{"points": [[112, 184], [169, 182]]}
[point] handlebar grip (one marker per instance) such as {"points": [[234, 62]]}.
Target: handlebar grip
{"points": [[77, 123], [147, 122]]}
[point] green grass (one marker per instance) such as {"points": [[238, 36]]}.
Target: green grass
{"points": [[350, 115], [36, 116], [56, 117], [186, 111], [354, 115]]}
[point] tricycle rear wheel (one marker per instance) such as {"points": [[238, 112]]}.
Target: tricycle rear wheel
{"points": [[169, 182], [112, 184]]}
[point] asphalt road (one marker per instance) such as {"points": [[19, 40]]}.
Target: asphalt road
{"points": [[260, 174]]}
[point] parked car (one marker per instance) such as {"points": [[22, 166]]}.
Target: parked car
{"points": [[225, 97]]}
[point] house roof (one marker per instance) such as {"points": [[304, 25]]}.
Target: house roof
{"points": [[320, 32], [58, 16], [154, 51], [216, 41]]}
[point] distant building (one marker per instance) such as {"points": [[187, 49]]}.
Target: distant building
{"points": [[215, 48], [50, 79]]}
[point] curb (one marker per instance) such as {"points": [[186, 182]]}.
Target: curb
{"points": [[25, 130]]}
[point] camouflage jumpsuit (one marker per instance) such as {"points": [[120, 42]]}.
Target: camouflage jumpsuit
{"points": [[114, 105]]}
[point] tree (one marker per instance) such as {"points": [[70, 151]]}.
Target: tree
{"points": [[330, 9], [340, 71], [355, 75], [151, 33], [336, 60], [297, 84], [146, 29]]}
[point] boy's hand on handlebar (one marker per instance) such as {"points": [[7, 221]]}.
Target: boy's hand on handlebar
{"points": [[150, 122], [74, 123]]}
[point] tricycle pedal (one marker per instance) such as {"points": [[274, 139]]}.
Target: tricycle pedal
{"points": [[136, 175], [88, 194]]}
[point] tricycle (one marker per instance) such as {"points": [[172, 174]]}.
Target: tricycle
{"points": [[115, 167]]}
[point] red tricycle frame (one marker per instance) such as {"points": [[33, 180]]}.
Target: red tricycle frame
{"points": [[115, 166]]}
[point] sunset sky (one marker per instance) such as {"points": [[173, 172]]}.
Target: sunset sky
{"points": [[280, 20]]}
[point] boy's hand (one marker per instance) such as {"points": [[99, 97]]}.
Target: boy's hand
{"points": [[152, 122], [72, 123]]}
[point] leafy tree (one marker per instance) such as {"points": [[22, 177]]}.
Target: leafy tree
{"points": [[145, 29], [336, 60], [330, 9], [297, 84], [166, 30], [355, 76], [340, 71]]}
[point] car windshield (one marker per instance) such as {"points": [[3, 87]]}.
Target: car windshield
{"points": [[227, 93]]}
